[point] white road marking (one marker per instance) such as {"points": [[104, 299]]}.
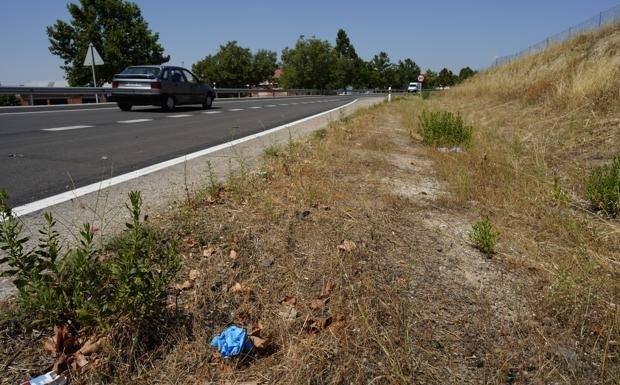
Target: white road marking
{"points": [[270, 105], [78, 192], [134, 121], [255, 107], [178, 116], [294, 103], [212, 112], [50, 112], [65, 128], [284, 104], [235, 109]]}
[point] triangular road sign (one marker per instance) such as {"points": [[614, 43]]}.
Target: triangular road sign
{"points": [[92, 54]]}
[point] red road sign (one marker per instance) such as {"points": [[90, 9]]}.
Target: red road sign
{"points": [[420, 78]]}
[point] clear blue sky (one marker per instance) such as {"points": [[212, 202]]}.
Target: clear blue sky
{"points": [[435, 34]]}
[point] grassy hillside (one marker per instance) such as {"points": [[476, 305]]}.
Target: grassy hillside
{"points": [[541, 124]]}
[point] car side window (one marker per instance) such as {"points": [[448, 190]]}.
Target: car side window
{"points": [[177, 76], [165, 75], [190, 78]]}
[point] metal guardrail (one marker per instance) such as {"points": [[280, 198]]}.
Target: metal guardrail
{"points": [[32, 93]]}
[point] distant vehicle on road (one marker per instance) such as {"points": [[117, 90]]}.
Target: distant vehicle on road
{"points": [[414, 87], [164, 86]]}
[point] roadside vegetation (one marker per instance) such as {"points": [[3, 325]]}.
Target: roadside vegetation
{"points": [[359, 255], [544, 168]]}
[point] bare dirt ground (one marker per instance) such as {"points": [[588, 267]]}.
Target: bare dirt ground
{"points": [[344, 255]]}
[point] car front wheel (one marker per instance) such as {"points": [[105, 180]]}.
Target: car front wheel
{"points": [[168, 104], [124, 106], [208, 102]]}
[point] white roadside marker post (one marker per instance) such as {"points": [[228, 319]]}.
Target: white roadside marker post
{"points": [[389, 94]]}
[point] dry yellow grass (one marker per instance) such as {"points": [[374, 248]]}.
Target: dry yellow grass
{"points": [[542, 123]]}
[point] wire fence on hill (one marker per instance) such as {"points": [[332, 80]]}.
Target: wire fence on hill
{"points": [[602, 19]]}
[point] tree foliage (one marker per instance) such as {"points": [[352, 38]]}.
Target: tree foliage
{"points": [[466, 73], [117, 30], [315, 63], [235, 66], [9, 100], [310, 64]]}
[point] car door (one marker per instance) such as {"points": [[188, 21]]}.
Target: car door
{"points": [[196, 95]]}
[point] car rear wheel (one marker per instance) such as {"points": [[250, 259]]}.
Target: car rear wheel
{"points": [[208, 102], [168, 104], [124, 106]]}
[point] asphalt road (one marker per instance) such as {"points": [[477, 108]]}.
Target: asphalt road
{"points": [[46, 151]]}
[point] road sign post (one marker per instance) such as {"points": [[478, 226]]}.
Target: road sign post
{"points": [[420, 80], [93, 58]]}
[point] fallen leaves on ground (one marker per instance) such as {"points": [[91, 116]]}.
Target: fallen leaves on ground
{"points": [[347, 246], [238, 288]]}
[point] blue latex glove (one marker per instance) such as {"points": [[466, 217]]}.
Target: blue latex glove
{"points": [[232, 341]]}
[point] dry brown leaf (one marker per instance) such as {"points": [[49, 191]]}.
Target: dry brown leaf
{"points": [[49, 344], [185, 285], [288, 313], [92, 346], [80, 360], [239, 289], [233, 254], [259, 343], [209, 251], [347, 245], [288, 300], [319, 324], [193, 274], [327, 290], [317, 303]]}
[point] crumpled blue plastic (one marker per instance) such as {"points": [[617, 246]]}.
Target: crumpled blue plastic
{"points": [[232, 341]]}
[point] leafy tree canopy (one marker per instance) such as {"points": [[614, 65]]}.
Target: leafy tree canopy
{"points": [[235, 66], [117, 30], [465, 73], [310, 64]]}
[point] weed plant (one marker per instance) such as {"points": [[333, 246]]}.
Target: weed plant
{"points": [[604, 187], [443, 128], [483, 236], [81, 286]]}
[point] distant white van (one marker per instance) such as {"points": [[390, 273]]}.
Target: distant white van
{"points": [[414, 87]]}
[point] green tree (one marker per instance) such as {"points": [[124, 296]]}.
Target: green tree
{"points": [[9, 100], [231, 66], [465, 73], [263, 66], [235, 66], [446, 78], [348, 65], [384, 72], [117, 30], [310, 64], [406, 71]]}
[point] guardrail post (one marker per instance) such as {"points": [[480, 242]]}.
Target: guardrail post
{"points": [[31, 100]]}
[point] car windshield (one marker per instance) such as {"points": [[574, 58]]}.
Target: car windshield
{"points": [[141, 71]]}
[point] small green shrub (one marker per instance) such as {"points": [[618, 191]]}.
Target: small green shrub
{"points": [[273, 151], [320, 133], [425, 94], [604, 187], [129, 285], [483, 236], [443, 128]]}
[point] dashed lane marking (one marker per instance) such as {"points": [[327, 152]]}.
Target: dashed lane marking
{"points": [[134, 121], [212, 112], [65, 128], [235, 109], [179, 116]]}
